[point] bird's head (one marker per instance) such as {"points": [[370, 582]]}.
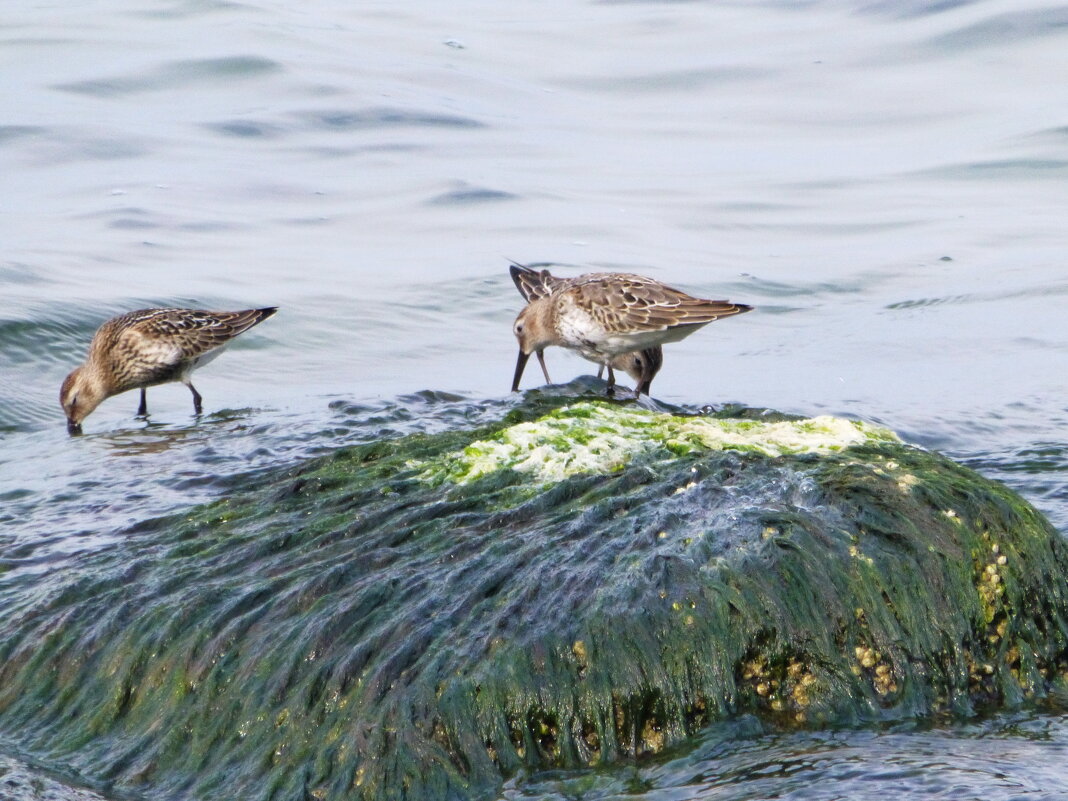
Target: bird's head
{"points": [[79, 396], [533, 332]]}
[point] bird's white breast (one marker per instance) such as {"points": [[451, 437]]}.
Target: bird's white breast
{"points": [[577, 328]]}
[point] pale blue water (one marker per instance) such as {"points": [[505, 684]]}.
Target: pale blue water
{"points": [[886, 182]]}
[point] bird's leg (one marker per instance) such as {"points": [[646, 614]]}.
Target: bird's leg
{"points": [[197, 406], [600, 371], [646, 379], [544, 369], [142, 410], [611, 381]]}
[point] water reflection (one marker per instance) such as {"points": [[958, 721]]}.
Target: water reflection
{"points": [[151, 437]]}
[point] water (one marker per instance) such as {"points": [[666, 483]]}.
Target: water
{"points": [[1008, 757], [884, 181]]}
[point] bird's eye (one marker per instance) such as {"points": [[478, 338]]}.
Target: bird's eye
{"points": [[637, 361], [519, 328]]}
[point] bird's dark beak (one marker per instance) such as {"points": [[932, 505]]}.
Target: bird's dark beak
{"points": [[74, 429], [520, 363]]}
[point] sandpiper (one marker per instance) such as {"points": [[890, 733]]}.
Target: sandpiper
{"points": [[605, 315], [148, 347], [642, 365]]}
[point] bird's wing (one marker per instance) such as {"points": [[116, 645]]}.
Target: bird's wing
{"points": [[623, 303], [191, 331], [534, 284]]}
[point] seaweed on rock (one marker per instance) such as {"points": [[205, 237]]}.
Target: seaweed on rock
{"points": [[422, 617]]}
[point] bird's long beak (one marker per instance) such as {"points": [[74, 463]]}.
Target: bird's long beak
{"points": [[73, 428], [520, 363]]}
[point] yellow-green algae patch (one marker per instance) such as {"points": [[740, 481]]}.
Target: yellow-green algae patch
{"points": [[603, 438]]}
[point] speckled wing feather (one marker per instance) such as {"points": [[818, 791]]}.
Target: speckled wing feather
{"points": [[623, 303], [151, 346], [196, 332], [533, 284]]}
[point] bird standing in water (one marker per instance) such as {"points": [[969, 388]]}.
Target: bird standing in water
{"points": [[144, 348]]}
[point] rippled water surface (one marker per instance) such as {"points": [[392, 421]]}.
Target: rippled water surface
{"points": [[1009, 757], [885, 182]]}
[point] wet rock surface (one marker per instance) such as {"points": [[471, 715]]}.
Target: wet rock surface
{"points": [[389, 622]]}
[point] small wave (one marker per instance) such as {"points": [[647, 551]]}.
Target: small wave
{"points": [[1004, 30], [387, 117], [675, 80], [10, 132], [174, 75], [468, 195], [1043, 291], [904, 9], [52, 145], [18, 273], [45, 334], [999, 170], [920, 303], [190, 8], [1058, 134], [245, 129]]}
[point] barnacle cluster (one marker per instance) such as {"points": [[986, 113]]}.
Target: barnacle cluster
{"points": [[782, 685], [870, 663]]}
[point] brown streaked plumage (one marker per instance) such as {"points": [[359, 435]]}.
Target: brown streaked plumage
{"points": [[533, 284], [605, 315], [642, 365], [148, 347]]}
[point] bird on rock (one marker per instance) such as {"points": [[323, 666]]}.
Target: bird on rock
{"points": [[606, 315], [533, 284]]}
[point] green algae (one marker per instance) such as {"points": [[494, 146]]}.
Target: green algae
{"points": [[350, 629], [602, 438]]}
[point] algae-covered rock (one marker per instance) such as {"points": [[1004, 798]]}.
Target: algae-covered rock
{"points": [[579, 583]]}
